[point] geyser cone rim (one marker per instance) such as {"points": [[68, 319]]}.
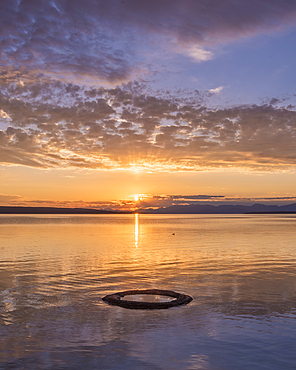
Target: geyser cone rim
{"points": [[116, 299]]}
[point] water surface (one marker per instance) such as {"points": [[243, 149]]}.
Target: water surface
{"points": [[240, 270]]}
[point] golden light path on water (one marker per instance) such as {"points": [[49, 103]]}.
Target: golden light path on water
{"points": [[136, 229]]}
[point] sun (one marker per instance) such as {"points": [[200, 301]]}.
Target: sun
{"points": [[137, 197]]}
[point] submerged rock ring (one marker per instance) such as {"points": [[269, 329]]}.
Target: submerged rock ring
{"points": [[116, 299]]}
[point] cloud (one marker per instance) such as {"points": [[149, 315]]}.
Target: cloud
{"points": [[7, 199], [3, 114], [199, 54], [217, 90], [146, 201], [165, 200], [110, 41], [65, 125]]}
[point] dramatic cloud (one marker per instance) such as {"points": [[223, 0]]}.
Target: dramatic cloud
{"points": [[124, 128], [113, 40], [67, 100]]}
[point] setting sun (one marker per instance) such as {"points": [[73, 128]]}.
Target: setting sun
{"points": [[136, 196]]}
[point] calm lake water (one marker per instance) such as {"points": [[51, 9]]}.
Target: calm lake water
{"points": [[240, 271]]}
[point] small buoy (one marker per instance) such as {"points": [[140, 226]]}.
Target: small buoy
{"points": [[173, 233], [115, 299]]}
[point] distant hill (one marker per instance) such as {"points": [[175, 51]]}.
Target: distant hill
{"points": [[222, 209], [55, 210]]}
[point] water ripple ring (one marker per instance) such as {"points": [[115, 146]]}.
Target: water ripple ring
{"points": [[116, 299]]}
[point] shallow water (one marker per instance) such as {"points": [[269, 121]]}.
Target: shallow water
{"points": [[148, 298], [240, 271]]}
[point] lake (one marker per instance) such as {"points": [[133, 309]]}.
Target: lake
{"points": [[240, 271]]}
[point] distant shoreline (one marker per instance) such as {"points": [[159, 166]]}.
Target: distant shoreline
{"points": [[184, 209], [270, 213], [57, 211]]}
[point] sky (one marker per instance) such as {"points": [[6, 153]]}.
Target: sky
{"points": [[122, 104]]}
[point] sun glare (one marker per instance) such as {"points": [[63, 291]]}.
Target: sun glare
{"points": [[137, 198]]}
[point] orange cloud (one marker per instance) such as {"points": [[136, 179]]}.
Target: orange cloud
{"points": [[121, 129]]}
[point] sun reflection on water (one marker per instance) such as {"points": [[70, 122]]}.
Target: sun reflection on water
{"points": [[136, 229]]}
